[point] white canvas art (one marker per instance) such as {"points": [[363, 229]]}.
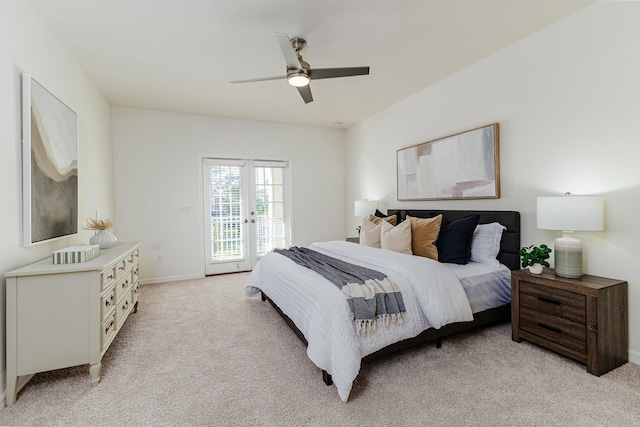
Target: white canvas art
{"points": [[460, 166], [50, 165]]}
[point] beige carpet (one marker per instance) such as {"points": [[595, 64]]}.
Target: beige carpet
{"points": [[201, 353]]}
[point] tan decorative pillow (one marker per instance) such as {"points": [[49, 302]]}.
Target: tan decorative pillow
{"points": [[396, 238], [370, 233], [424, 233], [390, 219]]}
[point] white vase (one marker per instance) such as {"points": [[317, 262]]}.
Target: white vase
{"points": [[104, 239], [535, 268]]}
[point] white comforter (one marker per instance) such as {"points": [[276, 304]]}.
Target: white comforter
{"points": [[432, 294]]}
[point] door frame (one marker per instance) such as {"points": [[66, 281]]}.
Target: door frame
{"points": [[203, 240]]}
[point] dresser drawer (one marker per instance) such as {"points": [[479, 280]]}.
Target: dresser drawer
{"points": [[556, 329], [108, 331], [121, 267], [107, 277], [123, 309], [135, 291], [123, 285], [558, 302], [107, 303]]}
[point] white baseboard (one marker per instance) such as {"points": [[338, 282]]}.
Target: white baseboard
{"points": [[170, 279], [634, 357]]}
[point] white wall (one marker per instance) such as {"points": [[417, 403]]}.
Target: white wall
{"points": [[157, 158], [568, 103], [28, 45]]}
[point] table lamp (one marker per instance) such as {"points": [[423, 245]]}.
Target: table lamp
{"points": [[364, 207], [568, 214]]}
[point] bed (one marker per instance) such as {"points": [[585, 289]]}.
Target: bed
{"points": [[475, 295]]}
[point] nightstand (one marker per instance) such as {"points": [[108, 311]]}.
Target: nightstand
{"points": [[353, 239], [585, 319]]}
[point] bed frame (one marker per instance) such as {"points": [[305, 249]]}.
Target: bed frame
{"points": [[509, 255]]}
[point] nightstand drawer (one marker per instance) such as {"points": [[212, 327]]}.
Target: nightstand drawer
{"points": [[557, 302], [565, 332]]}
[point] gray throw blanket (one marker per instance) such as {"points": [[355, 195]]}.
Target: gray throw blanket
{"points": [[374, 300]]}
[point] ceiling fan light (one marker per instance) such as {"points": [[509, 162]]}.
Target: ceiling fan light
{"points": [[298, 79]]}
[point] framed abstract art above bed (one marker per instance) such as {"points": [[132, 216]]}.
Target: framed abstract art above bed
{"points": [[49, 165], [465, 165]]}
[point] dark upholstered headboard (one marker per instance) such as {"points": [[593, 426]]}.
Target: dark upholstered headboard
{"points": [[509, 254]]}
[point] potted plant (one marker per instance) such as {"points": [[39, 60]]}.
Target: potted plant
{"points": [[534, 257]]}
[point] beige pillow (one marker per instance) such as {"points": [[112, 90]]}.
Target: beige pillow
{"points": [[396, 238], [424, 233], [370, 233], [376, 219]]}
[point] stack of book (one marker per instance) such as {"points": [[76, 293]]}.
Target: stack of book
{"points": [[74, 254]]}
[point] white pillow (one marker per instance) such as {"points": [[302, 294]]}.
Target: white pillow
{"points": [[396, 238], [370, 233], [485, 243]]}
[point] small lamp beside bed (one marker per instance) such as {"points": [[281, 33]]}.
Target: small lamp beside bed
{"points": [[568, 214], [362, 208]]}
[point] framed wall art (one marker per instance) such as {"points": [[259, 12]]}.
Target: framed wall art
{"points": [[460, 166], [49, 165]]}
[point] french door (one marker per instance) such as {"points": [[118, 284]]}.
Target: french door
{"points": [[247, 212]]}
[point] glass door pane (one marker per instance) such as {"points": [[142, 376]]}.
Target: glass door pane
{"points": [[227, 234], [272, 229]]}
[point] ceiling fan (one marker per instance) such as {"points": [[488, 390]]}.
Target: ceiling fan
{"points": [[300, 73]]}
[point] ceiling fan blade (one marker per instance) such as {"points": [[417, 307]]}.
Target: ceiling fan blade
{"points": [[305, 93], [287, 50], [261, 79], [330, 73]]}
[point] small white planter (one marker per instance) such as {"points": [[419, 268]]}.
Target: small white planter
{"points": [[535, 268]]}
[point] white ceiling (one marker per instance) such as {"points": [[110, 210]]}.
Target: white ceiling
{"points": [[180, 55]]}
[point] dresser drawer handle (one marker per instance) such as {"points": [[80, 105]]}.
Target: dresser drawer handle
{"points": [[106, 330], [125, 284], [551, 328], [110, 276], [108, 302], [125, 305], [549, 300]]}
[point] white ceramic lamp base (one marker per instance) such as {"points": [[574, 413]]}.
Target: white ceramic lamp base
{"points": [[568, 257]]}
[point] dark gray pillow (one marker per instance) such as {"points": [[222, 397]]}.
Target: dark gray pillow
{"points": [[379, 214], [454, 241]]}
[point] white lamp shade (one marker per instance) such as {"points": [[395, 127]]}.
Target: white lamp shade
{"points": [[364, 207], [570, 213]]}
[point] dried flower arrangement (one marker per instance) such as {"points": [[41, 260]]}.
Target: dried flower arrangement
{"points": [[98, 224]]}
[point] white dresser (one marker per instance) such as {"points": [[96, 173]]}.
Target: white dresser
{"points": [[68, 314]]}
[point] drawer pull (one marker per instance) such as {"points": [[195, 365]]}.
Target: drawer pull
{"points": [[110, 276], [106, 330], [108, 302], [549, 300], [551, 328], [125, 284], [125, 305]]}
